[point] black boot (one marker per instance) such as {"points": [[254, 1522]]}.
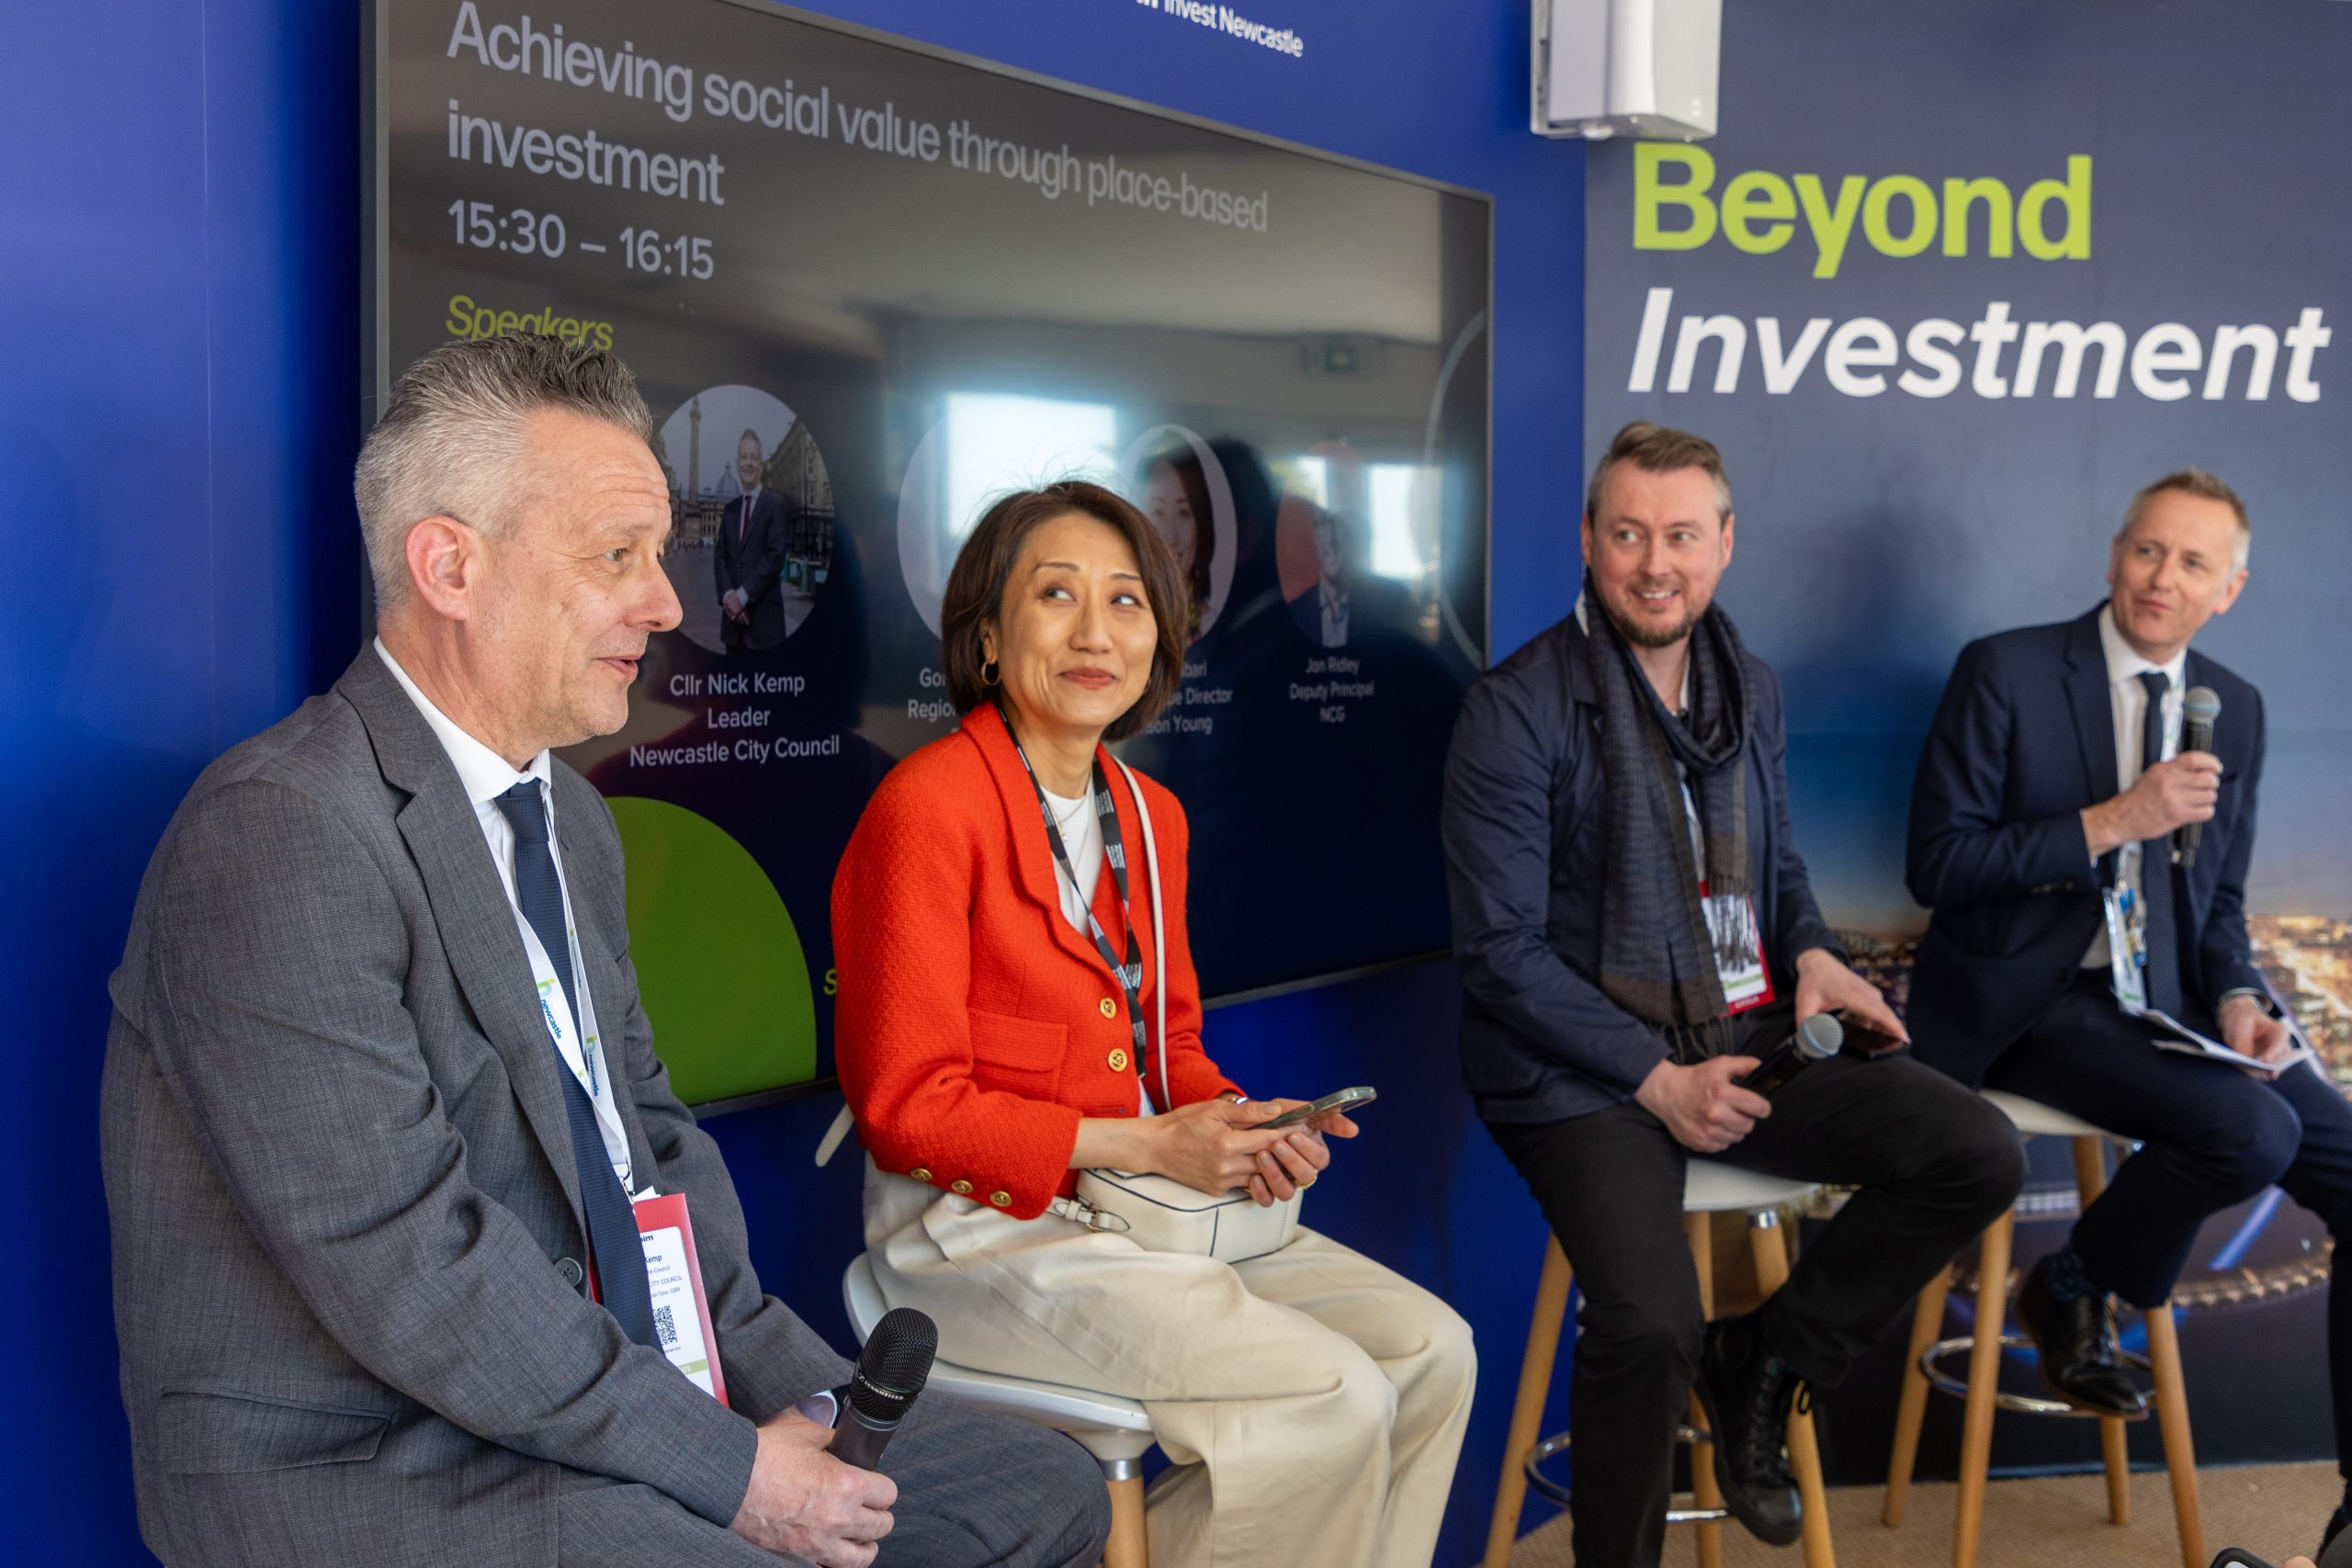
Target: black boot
{"points": [[2075, 1335], [1746, 1391]]}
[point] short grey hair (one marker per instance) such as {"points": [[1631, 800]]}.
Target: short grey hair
{"points": [[450, 441], [2205, 485]]}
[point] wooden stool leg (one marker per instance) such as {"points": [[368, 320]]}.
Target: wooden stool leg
{"points": [[1984, 1381], [2172, 1417], [1771, 1273], [1125, 1547], [2090, 1180], [1911, 1413], [1700, 1229], [1527, 1410]]}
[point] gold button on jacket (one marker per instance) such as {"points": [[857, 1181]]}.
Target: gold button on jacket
{"points": [[1118, 1060], [960, 1185], [1110, 1008], [920, 1173], [1001, 1199]]}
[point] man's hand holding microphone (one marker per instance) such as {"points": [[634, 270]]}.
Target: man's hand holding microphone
{"points": [[805, 1503], [2165, 797], [1710, 1105]]}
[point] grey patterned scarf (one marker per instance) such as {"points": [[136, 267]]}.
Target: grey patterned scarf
{"points": [[1657, 960]]}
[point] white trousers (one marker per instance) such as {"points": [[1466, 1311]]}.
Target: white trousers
{"points": [[1312, 1402]]}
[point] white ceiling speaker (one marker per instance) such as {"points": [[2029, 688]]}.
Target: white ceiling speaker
{"points": [[1641, 68]]}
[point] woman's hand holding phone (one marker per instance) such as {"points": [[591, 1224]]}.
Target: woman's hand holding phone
{"points": [[1293, 1165]]}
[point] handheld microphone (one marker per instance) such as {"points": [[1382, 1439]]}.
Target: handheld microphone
{"points": [[1816, 1039], [2199, 709], [896, 1365]]}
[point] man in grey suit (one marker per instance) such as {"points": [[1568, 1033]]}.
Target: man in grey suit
{"points": [[378, 1091]]}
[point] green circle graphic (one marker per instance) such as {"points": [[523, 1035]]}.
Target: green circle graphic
{"points": [[718, 963]]}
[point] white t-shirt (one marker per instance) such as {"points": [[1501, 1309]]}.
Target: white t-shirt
{"points": [[1082, 840], [1081, 832]]}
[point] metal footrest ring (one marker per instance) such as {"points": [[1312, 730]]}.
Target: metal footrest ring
{"points": [[1677, 1513], [1943, 1382]]}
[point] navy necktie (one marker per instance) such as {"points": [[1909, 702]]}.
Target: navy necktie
{"points": [[2156, 887], [612, 1221]]}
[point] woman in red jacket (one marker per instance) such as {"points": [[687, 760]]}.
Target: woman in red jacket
{"points": [[994, 1026]]}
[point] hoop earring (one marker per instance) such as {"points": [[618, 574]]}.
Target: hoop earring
{"points": [[989, 675]]}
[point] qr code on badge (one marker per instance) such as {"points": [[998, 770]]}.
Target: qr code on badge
{"points": [[665, 1328]]}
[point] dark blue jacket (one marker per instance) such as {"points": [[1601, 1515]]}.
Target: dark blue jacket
{"points": [[2023, 741], [1524, 826]]}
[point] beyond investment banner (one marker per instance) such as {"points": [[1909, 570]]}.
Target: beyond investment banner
{"points": [[1954, 280]]}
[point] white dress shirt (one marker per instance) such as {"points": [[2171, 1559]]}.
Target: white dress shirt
{"points": [[485, 776], [2129, 701]]}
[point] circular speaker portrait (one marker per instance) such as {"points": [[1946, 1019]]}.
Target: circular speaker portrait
{"points": [[751, 518], [1175, 480]]}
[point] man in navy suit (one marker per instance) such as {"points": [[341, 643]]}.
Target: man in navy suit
{"points": [[2053, 784], [751, 559]]}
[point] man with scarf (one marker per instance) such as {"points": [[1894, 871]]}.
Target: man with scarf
{"points": [[1634, 929]]}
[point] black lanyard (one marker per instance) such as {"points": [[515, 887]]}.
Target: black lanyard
{"points": [[1130, 974]]}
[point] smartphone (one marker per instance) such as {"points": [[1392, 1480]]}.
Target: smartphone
{"points": [[1346, 1099], [1864, 1041], [2237, 1557]]}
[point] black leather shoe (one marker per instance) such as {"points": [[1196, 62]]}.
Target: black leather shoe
{"points": [[2076, 1339], [1746, 1392]]}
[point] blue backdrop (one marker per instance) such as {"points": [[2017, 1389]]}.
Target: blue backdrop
{"points": [[179, 291], [1875, 328]]}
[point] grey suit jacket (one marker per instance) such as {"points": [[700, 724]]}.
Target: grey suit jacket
{"points": [[345, 1219]]}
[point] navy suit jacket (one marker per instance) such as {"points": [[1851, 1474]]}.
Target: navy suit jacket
{"points": [[2023, 741], [753, 562], [1525, 849]]}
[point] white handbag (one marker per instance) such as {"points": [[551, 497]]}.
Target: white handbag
{"points": [[1160, 1214]]}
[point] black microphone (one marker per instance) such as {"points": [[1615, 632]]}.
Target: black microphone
{"points": [[2199, 709], [1817, 1039], [896, 1365]]}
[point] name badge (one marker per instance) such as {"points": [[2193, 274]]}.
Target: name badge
{"points": [[1739, 949], [681, 1311], [2127, 945]]}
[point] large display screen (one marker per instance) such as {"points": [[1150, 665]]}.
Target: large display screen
{"points": [[867, 287]]}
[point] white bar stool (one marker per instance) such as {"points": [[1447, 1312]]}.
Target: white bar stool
{"points": [[1114, 1429], [1982, 1390], [1709, 1189]]}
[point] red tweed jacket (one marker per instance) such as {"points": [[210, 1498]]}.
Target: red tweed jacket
{"points": [[974, 1026]]}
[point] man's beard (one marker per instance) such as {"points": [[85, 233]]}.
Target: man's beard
{"points": [[1641, 635]]}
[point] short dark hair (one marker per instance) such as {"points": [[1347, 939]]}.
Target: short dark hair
{"points": [[1179, 461], [975, 594], [1659, 449]]}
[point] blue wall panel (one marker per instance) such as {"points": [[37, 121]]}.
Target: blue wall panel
{"points": [[179, 293]]}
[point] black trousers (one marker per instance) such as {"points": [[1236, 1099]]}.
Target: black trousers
{"points": [[1936, 1166], [2211, 1136]]}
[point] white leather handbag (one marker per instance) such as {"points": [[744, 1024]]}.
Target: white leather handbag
{"points": [[1160, 1213]]}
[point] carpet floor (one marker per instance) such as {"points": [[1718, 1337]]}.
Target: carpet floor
{"points": [[2273, 1511]]}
